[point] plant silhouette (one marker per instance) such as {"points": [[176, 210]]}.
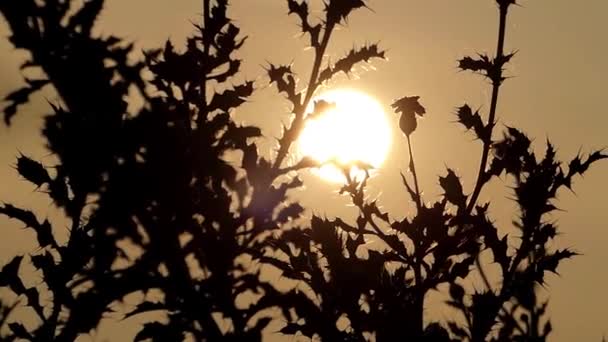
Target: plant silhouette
{"points": [[156, 208]]}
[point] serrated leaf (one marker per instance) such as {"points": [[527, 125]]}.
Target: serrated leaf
{"points": [[9, 276], [302, 11], [482, 63], [20, 97], [551, 262], [473, 121], [32, 170], [338, 11], [231, 98], [453, 189], [346, 63], [43, 230]]}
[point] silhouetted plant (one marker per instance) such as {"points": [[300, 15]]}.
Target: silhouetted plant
{"points": [[382, 293], [156, 207]]}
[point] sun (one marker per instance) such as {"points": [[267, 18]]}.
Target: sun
{"points": [[355, 130]]}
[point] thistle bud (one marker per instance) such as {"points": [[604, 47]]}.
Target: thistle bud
{"points": [[408, 107]]}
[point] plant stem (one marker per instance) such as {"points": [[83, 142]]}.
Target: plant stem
{"points": [[203, 106], [481, 175], [418, 324], [288, 134], [314, 75], [413, 169]]}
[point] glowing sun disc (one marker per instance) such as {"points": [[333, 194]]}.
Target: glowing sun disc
{"points": [[356, 130]]}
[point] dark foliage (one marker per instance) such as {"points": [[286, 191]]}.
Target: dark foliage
{"points": [[156, 207]]}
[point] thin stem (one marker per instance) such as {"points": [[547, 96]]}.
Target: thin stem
{"points": [[413, 169], [401, 252], [419, 304], [313, 84], [481, 175], [206, 14], [314, 75]]}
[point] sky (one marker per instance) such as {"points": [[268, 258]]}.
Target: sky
{"points": [[556, 92]]}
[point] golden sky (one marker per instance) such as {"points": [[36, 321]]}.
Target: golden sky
{"points": [[557, 92]]}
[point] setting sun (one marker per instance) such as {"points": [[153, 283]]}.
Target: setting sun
{"points": [[355, 130]]}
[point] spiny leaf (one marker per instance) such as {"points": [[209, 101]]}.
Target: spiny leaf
{"points": [[9, 275], [286, 83], [25, 216], [453, 189], [346, 64], [32, 170], [505, 59], [473, 121], [339, 10], [483, 63], [43, 230], [550, 262], [231, 98], [20, 97], [511, 153], [301, 10], [577, 166]]}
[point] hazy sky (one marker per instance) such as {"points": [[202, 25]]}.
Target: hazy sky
{"points": [[557, 92]]}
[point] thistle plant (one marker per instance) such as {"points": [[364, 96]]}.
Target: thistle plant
{"points": [[380, 294], [174, 202]]}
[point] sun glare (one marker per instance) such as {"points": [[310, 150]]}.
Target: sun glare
{"points": [[355, 130]]}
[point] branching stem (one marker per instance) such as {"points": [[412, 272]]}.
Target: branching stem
{"points": [[481, 175], [496, 82], [313, 84]]}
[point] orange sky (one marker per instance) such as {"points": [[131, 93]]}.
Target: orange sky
{"points": [[558, 92]]}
